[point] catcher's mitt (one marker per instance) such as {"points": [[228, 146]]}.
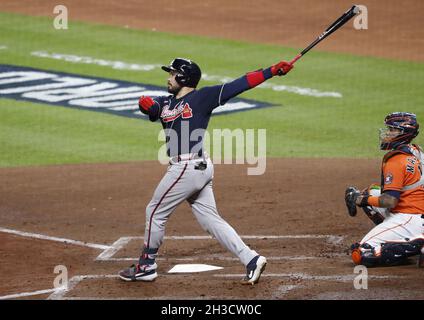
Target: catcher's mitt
{"points": [[351, 194]]}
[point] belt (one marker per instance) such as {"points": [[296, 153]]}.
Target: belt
{"points": [[185, 157]]}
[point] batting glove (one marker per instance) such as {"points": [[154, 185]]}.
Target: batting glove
{"points": [[145, 103], [281, 68]]}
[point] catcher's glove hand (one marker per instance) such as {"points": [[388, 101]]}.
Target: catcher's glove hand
{"points": [[351, 194]]}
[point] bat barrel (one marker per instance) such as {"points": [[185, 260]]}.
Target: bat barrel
{"points": [[333, 27]]}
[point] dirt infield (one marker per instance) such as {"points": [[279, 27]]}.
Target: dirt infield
{"points": [[294, 214], [395, 29]]}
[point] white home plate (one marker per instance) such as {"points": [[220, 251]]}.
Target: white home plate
{"points": [[187, 268]]}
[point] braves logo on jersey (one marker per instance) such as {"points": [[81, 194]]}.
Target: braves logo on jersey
{"points": [[181, 109]]}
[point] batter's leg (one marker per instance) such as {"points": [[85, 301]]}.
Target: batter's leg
{"points": [[174, 188], [204, 209]]}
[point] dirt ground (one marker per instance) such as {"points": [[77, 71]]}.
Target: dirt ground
{"points": [[294, 214], [395, 29]]}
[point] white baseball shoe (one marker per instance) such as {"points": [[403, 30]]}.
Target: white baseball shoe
{"points": [[254, 270], [139, 272]]}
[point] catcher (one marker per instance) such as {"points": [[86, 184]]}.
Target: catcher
{"points": [[397, 206]]}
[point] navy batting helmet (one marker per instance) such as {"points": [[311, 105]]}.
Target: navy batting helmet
{"points": [[189, 73], [407, 129]]}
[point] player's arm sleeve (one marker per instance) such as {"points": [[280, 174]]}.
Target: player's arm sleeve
{"points": [[220, 94], [155, 110], [250, 80], [394, 175], [393, 193]]}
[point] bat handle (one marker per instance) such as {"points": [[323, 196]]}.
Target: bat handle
{"points": [[296, 58], [291, 62]]}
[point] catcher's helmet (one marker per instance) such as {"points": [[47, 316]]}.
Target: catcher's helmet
{"points": [[189, 73], [407, 125]]}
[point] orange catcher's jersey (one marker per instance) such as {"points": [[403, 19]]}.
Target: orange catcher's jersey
{"points": [[399, 171]]}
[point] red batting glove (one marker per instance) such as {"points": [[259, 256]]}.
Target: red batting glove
{"points": [[281, 68], [145, 103]]}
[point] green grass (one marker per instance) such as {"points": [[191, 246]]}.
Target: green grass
{"points": [[299, 126], [35, 134]]}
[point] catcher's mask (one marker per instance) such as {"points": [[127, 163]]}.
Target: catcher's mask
{"points": [[401, 128], [188, 72]]}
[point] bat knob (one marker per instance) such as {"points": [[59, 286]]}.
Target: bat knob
{"points": [[355, 9]]}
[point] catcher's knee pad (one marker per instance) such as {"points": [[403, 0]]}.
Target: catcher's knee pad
{"points": [[364, 254]]}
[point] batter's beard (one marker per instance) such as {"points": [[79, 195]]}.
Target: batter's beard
{"points": [[174, 90]]}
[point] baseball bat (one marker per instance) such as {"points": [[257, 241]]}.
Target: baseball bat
{"points": [[345, 17]]}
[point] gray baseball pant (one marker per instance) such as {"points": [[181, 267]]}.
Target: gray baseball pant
{"points": [[183, 181]]}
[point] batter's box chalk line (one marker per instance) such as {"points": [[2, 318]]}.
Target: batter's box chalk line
{"points": [[108, 251], [107, 254], [61, 292], [55, 239]]}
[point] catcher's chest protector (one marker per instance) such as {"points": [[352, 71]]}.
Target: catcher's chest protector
{"points": [[418, 153]]}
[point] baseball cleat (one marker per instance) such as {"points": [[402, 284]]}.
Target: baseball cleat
{"points": [[254, 270], [139, 273]]}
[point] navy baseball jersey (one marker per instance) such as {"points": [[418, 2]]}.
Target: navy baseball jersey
{"points": [[186, 115]]}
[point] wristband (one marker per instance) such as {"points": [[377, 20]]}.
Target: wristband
{"points": [[369, 201], [374, 201], [255, 78]]}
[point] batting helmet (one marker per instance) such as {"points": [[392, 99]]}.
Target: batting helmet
{"points": [[189, 73], [407, 126]]}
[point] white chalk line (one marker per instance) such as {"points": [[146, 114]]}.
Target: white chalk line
{"points": [[113, 249], [27, 294], [121, 65], [284, 290], [74, 281], [305, 276], [108, 253], [55, 239], [223, 258], [60, 293], [331, 238]]}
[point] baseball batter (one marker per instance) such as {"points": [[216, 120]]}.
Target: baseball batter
{"points": [[184, 115], [397, 206]]}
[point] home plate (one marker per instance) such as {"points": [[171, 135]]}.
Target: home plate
{"points": [[187, 268]]}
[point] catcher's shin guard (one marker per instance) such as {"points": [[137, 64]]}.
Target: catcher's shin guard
{"points": [[392, 254], [398, 253]]}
